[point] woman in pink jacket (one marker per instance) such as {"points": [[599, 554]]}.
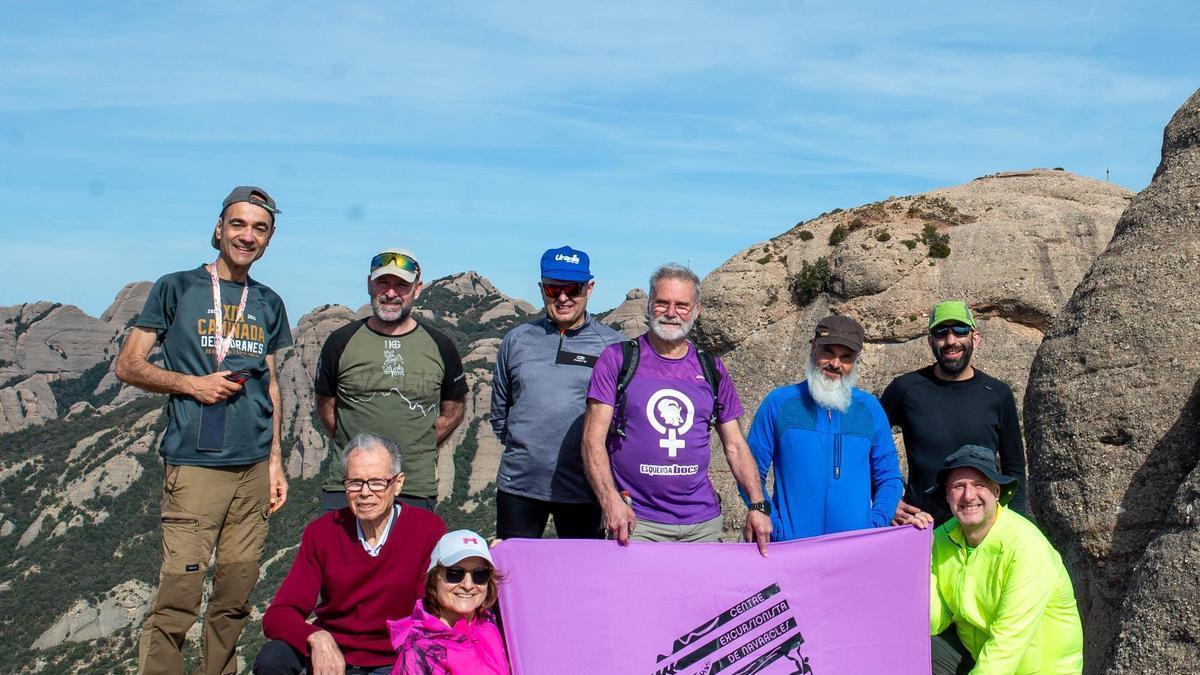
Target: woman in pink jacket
{"points": [[451, 630]]}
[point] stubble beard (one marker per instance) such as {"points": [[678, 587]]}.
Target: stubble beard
{"points": [[387, 313]]}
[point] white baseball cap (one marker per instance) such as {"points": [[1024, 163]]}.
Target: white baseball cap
{"points": [[398, 262], [457, 546]]}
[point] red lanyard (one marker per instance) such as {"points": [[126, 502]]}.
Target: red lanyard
{"points": [[224, 341]]}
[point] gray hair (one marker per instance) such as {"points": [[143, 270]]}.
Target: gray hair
{"points": [[366, 440], [674, 271]]}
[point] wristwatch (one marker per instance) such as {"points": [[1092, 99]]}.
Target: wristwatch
{"points": [[764, 506]]}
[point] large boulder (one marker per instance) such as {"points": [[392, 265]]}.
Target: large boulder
{"points": [[1013, 245], [1018, 243], [1112, 418]]}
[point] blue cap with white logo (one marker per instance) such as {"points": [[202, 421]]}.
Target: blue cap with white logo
{"points": [[566, 264]]}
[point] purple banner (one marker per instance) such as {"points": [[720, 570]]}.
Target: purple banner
{"points": [[856, 602]]}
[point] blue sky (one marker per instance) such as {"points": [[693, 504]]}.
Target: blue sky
{"points": [[480, 134]]}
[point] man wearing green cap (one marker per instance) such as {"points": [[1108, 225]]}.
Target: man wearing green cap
{"points": [[996, 579], [947, 405]]}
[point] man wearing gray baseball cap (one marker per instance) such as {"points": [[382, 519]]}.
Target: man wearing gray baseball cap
{"points": [[219, 330], [996, 578]]}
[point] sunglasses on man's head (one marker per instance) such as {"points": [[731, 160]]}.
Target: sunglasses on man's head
{"points": [[398, 259], [573, 290], [959, 331], [455, 575]]}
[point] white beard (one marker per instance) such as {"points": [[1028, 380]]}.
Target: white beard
{"points": [[830, 393], [669, 332]]}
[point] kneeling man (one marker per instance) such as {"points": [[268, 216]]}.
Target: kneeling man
{"points": [[357, 567], [997, 578]]}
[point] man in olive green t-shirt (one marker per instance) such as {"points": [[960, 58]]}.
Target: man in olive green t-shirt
{"points": [[390, 375]]}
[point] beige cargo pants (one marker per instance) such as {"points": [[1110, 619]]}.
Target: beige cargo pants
{"points": [[206, 508]]}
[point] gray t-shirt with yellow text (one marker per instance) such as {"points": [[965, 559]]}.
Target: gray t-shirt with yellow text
{"points": [[180, 309]]}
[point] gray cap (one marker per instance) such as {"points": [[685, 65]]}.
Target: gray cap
{"points": [[982, 460], [251, 195], [839, 330]]}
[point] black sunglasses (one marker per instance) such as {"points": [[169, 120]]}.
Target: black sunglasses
{"points": [[455, 575], [959, 331]]}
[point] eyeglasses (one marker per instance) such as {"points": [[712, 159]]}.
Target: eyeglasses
{"points": [[573, 290], [398, 259], [374, 484], [455, 575], [681, 308], [943, 331]]}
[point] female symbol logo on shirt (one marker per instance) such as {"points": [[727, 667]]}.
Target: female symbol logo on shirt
{"points": [[671, 413]]}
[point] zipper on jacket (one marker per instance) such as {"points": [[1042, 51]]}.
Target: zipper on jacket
{"points": [[837, 456], [837, 448]]}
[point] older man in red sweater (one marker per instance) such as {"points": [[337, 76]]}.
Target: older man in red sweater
{"points": [[356, 568]]}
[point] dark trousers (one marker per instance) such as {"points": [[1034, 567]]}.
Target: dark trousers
{"points": [[523, 517], [949, 655], [278, 658], [332, 501]]}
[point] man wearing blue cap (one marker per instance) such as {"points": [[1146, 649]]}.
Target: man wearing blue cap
{"points": [[538, 398]]}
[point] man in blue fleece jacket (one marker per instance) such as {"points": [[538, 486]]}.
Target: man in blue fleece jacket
{"points": [[830, 443]]}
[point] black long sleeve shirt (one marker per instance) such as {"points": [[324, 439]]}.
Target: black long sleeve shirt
{"points": [[937, 417]]}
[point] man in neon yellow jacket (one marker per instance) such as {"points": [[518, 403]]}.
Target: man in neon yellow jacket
{"points": [[997, 578]]}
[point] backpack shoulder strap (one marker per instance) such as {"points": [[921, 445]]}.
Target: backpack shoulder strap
{"points": [[708, 367], [630, 355]]}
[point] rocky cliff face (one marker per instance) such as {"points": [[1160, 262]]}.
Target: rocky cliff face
{"points": [[50, 351], [1112, 418], [1013, 245]]}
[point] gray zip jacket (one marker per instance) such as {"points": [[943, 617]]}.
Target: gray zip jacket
{"points": [[539, 392]]}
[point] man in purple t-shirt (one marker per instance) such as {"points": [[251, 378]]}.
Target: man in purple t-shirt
{"points": [[649, 470]]}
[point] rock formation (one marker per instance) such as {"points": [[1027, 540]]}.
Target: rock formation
{"points": [[122, 607], [297, 369], [1013, 245], [43, 343], [1112, 419], [629, 317]]}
